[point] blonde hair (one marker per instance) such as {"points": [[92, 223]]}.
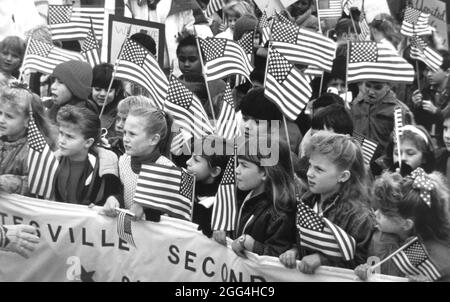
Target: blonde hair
{"points": [[133, 101]]}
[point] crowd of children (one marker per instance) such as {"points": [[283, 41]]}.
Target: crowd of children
{"points": [[380, 204]]}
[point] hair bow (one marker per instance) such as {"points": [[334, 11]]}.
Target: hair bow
{"points": [[423, 182]]}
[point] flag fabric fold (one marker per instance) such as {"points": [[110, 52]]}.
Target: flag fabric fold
{"points": [[368, 147], [301, 46], [320, 234], [371, 61], [137, 64], [166, 189], [285, 85]]}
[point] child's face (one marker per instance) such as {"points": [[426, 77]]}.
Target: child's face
{"points": [[60, 93], [446, 134], [9, 61], [120, 121], [338, 84], [249, 176], [200, 167], [99, 95], [389, 224], [436, 77], [135, 139], [323, 175], [409, 153], [300, 7], [376, 91], [232, 17], [72, 143], [12, 122], [189, 61]]}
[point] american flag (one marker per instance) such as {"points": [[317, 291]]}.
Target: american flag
{"points": [[223, 58], [69, 23], [227, 123], [137, 64], [44, 57], [264, 26], [346, 5], [285, 85], [213, 6], [415, 22], [224, 213], [319, 234], [370, 61], [167, 189], [367, 145], [301, 46], [179, 141], [420, 50], [246, 42], [330, 9], [414, 260], [364, 27], [187, 110], [42, 163], [124, 229], [90, 48], [281, 18]]}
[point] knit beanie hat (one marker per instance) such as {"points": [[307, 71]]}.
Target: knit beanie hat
{"points": [[244, 24], [77, 76], [257, 106]]}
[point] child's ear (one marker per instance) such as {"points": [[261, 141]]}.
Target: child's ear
{"points": [[345, 175], [408, 225], [155, 139], [216, 171], [89, 142]]}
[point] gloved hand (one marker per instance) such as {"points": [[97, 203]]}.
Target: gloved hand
{"points": [[20, 239]]}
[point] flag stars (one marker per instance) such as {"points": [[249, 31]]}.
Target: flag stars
{"points": [[279, 67], [365, 51], [283, 32], [213, 48]]}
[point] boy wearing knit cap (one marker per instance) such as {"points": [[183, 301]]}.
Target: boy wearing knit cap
{"points": [[71, 86]]}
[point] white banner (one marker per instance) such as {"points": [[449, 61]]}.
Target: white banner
{"points": [[79, 244]]}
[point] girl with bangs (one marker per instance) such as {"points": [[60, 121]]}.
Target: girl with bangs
{"points": [[266, 217], [12, 50], [337, 191]]}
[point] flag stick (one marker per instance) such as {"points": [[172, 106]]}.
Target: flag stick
{"points": [[321, 83], [346, 70], [417, 74], [26, 51], [397, 138], [114, 71], [193, 199], [206, 83], [394, 253], [267, 63], [289, 145], [354, 24], [318, 15]]}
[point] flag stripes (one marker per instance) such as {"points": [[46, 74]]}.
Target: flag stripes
{"points": [[124, 229], [91, 49], [44, 57], [187, 109], [420, 50], [138, 65], [214, 6], [285, 85], [167, 189], [227, 123], [415, 22], [301, 46], [414, 260], [368, 147], [371, 61], [42, 163], [224, 213], [223, 58], [70, 23], [332, 10]]}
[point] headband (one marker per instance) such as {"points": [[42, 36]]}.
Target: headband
{"points": [[417, 131]]}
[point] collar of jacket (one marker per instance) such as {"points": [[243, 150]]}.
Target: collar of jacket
{"points": [[13, 144], [311, 199], [137, 161]]}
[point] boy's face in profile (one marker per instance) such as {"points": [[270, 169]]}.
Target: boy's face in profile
{"points": [[447, 134], [189, 61], [200, 167]]}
